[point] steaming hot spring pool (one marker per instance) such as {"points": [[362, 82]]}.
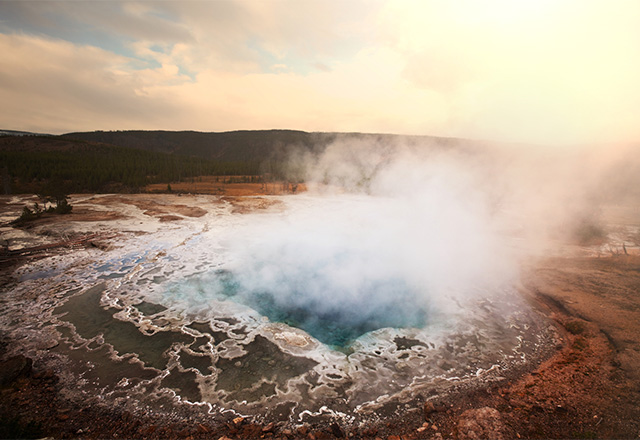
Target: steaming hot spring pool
{"points": [[315, 307]]}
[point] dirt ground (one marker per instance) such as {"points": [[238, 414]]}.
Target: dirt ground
{"points": [[589, 386], [221, 186]]}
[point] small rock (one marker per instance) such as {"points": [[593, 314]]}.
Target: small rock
{"points": [[47, 375], [269, 427], [429, 408], [13, 368], [202, 428], [336, 430], [238, 420], [48, 345], [482, 423]]}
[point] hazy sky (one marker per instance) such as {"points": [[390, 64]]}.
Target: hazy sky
{"points": [[535, 71]]}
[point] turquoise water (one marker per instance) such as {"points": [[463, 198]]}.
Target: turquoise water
{"points": [[336, 317]]}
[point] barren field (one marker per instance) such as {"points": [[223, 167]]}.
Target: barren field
{"points": [[218, 185], [582, 382]]}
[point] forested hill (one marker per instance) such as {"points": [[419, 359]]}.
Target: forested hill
{"points": [[242, 146], [128, 161], [39, 164]]}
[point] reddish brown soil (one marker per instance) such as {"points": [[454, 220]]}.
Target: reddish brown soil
{"points": [[215, 185]]}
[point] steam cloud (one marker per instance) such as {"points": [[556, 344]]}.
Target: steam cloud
{"points": [[399, 235], [386, 236]]}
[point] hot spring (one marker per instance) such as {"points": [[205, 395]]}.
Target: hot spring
{"points": [[344, 304]]}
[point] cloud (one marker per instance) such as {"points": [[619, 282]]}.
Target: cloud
{"points": [[56, 86], [74, 20], [550, 72]]}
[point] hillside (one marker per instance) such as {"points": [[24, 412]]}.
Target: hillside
{"points": [[131, 161], [228, 146], [37, 164], [243, 146]]}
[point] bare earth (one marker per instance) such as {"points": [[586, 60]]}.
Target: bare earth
{"points": [[217, 186], [589, 386]]}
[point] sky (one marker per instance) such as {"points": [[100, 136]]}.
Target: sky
{"points": [[553, 72]]}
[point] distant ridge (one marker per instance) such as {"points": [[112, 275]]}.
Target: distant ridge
{"points": [[234, 146], [243, 145]]}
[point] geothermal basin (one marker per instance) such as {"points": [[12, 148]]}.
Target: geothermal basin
{"points": [[286, 308]]}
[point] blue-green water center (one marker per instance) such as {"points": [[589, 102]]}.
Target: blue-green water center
{"points": [[336, 317]]}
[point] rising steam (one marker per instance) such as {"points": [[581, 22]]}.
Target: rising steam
{"points": [[393, 235], [386, 237]]}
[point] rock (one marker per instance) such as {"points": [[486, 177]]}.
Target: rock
{"points": [[102, 245], [423, 428], [269, 427], [429, 408], [481, 423], [14, 368], [336, 430], [203, 428], [46, 375], [238, 420]]}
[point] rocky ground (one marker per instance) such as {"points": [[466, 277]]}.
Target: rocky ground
{"points": [[589, 386]]}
